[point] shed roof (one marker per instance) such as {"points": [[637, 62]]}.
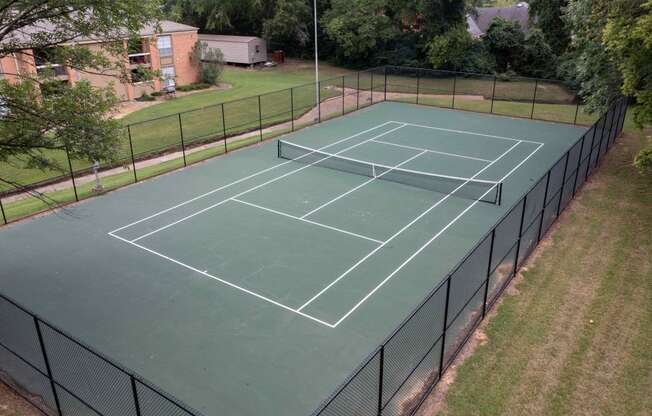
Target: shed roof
{"points": [[227, 38]]}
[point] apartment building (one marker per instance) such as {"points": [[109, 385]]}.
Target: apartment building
{"points": [[167, 50]]}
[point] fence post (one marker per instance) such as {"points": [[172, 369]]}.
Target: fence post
{"points": [[443, 334], [493, 95], [343, 94], [131, 149], [454, 89], [2, 209], [135, 393], [418, 83], [588, 161], [72, 174], [577, 111], [486, 282], [183, 145], [534, 98], [380, 379], [224, 129], [597, 159], [385, 91], [520, 232], [319, 101], [372, 86], [543, 209], [563, 183], [260, 119], [579, 163], [47, 365], [357, 93], [292, 106]]}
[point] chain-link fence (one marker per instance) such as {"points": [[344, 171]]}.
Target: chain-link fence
{"points": [[156, 146], [61, 376], [398, 376]]}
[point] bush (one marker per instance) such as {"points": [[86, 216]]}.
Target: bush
{"points": [[193, 87], [643, 161], [158, 93], [146, 97]]}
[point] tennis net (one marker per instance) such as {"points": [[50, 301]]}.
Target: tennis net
{"points": [[477, 189]]}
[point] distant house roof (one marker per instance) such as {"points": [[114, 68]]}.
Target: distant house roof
{"points": [[478, 25], [166, 27], [227, 38]]}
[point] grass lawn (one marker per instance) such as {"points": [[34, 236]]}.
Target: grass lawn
{"points": [[573, 335]]}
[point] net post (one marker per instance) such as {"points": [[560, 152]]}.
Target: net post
{"points": [[292, 106], [357, 92], [343, 94], [493, 95], [2, 210], [486, 282], [46, 360], [534, 98], [134, 391], [543, 208], [224, 128], [131, 149], [563, 184], [381, 376], [260, 119], [278, 148], [500, 193], [183, 145], [72, 173], [454, 89], [418, 83], [443, 333]]}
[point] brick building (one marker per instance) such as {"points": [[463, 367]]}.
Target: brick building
{"points": [[168, 51]]}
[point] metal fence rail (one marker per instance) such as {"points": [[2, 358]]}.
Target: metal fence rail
{"points": [[397, 377], [198, 134]]}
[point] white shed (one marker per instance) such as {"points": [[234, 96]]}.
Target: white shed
{"points": [[238, 49]]}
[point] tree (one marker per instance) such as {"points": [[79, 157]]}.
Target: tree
{"points": [[547, 15], [289, 26], [505, 40], [537, 58], [38, 110], [456, 50], [210, 60], [359, 28], [237, 17]]}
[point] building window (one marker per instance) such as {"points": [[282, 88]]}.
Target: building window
{"points": [[168, 72], [164, 45], [257, 49]]}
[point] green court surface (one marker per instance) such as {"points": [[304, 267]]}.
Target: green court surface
{"points": [[252, 284]]}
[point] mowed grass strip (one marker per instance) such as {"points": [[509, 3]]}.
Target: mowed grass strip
{"points": [[573, 336]]}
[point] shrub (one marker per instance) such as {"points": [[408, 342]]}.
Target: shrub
{"points": [[158, 93], [193, 87], [643, 161], [146, 97]]}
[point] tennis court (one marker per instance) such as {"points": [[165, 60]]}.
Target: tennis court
{"points": [[256, 282]]}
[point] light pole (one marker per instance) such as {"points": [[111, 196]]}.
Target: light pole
{"points": [[316, 57]]}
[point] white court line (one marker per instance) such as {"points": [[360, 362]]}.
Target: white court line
{"points": [[399, 232], [318, 224], [201, 211], [266, 299], [469, 132], [430, 151], [243, 179], [416, 253], [362, 184]]}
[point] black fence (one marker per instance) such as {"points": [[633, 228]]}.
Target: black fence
{"points": [[397, 377], [194, 135], [61, 376]]}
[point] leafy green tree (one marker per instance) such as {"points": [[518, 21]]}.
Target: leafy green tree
{"points": [[289, 26], [505, 40], [537, 58], [359, 28], [547, 15], [38, 111], [210, 60], [456, 50], [240, 17]]}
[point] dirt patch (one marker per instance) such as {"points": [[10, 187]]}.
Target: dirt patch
{"points": [[11, 404]]}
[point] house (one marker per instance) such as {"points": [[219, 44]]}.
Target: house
{"points": [[167, 50], [248, 50], [479, 22]]}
